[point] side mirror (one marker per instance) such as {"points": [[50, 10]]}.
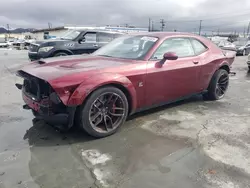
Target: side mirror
{"points": [[81, 40], [170, 56], [166, 56]]}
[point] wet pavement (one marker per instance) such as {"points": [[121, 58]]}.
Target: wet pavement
{"points": [[191, 144]]}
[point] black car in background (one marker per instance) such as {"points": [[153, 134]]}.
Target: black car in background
{"points": [[72, 42], [242, 46]]}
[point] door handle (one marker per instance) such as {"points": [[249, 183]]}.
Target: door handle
{"points": [[195, 62], [95, 45]]}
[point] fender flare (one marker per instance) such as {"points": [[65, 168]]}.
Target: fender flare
{"points": [[84, 90]]}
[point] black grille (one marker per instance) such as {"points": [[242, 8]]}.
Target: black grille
{"points": [[33, 48], [31, 87]]}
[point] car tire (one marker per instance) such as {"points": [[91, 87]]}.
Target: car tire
{"points": [[60, 54], [97, 103], [218, 85]]}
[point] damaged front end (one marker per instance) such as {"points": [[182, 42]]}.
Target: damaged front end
{"points": [[44, 102]]}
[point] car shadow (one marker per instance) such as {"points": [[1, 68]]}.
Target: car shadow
{"points": [[42, 134], [193, 99]]}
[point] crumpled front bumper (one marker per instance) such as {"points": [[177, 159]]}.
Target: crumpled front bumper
{"points": [[62, 119]]}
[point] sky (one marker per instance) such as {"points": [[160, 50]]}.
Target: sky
{"points": [[182, 15]]}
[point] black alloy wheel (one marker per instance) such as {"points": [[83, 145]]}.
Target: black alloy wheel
{"points": [[104, 112], [107, 112], [218, 85], [222, 85]]}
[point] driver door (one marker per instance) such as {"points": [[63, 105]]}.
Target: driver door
{"points": [[87, 45], [176, 78]]}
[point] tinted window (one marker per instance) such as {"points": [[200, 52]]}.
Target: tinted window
{"points": [[90, 37], [181, 46], [200, 48], [104, 37]]}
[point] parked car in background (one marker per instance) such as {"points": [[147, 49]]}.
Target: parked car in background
{"points": [[225, 45], [128, 75], [72, 43], [20, 44], [3, 43], [242, 46]]}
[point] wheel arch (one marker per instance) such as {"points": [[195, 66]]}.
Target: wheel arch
{"points": [[225, 67], [61, 51], [84, 91]]}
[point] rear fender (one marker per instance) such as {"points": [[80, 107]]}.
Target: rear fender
{"points": [[222, 65], [91, 84]]}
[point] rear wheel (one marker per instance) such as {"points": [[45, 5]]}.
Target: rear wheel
{"points": [[103, 112], [218, 85]]}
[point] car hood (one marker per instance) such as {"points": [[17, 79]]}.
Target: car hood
{"points": [[57, 67], [39, 42]]}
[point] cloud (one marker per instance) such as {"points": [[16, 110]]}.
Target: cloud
{"points": [[37, 13]]}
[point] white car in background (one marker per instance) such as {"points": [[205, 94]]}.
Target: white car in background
{"points": [[3, 43]]}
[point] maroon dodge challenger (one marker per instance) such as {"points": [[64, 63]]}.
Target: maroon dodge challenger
{"points": [[133, 73]]}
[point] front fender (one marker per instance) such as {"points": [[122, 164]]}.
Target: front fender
{"points": [[91, 84]]}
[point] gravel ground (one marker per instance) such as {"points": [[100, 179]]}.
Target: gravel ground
{"points": [[191, 144]]}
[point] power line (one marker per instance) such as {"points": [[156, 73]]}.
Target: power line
{"points": [[195, 20], [226, 24]]}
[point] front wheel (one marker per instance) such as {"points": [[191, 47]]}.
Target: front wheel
{"points": [[218, 85], [60, 54], [103, 112]]}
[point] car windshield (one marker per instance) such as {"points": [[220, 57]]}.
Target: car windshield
{"points": [[127, 47], [70, 35]]}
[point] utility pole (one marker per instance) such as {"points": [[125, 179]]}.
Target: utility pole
{"points": [[244, 33], [162, 24], [8, 29], [149, 24], [152, 22], [248, 29], [200, 27], [50, 25]]}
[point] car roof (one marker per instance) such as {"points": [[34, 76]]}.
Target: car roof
{"points": [[165, 34], [100, 31]]}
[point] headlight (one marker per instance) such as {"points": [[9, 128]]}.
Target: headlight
{"points": [[45, 49], [241, 48]]}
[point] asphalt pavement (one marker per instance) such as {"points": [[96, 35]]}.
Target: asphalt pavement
{"points": [[191, 144]]}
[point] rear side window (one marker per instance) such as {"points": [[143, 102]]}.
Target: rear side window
{"points": [[198, 46], [104, 37]]}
